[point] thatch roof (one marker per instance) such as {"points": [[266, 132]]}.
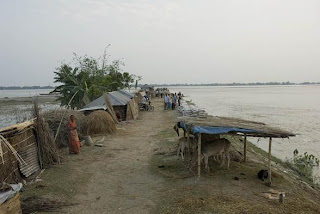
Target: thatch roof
{"points": [[234, 126]]}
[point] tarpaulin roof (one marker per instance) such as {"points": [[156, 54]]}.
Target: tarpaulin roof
{"points": [[126, 93], [225, 125], [117, 98], [97, 104]]}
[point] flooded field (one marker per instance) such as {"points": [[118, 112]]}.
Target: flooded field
{"points": [[18, 109]]}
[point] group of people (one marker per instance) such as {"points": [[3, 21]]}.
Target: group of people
{"points": [[160, 92], [171, 100]]}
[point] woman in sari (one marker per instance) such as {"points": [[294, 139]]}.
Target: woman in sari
{"points": [[74, 143]]}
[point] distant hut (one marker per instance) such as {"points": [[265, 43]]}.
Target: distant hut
{"points": [[149, 90], [146, 87], [123, 103], [139, 95]]}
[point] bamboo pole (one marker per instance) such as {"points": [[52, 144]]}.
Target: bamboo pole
{"points": [[55, 137], [199, 155], [188, 141], [269, 160], [245, 149]]}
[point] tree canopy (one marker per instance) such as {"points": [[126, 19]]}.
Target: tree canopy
{"points": [[88, 79]]}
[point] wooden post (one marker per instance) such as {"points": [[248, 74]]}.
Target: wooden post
{"points": [[245, 149], [189, 144], [269, 160], [199, 155]]}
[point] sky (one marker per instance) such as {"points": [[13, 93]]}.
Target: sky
{"points": [[167, 41]]}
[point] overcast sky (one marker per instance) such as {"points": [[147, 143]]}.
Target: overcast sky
{"points": [[164, 41]]}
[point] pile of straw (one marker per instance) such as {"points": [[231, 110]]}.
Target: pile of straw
{"points": [[47, 148], [35, 204], [53, 118], [100, 122]]}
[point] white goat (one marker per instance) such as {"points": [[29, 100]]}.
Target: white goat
{"points": [[216, 148], [183, 144]]}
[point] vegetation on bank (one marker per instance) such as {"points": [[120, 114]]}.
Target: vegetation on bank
{"points": [[88, 78], [302, 165]]}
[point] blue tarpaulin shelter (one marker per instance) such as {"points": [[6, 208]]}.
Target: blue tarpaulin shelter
{"points": [[225, 125]]}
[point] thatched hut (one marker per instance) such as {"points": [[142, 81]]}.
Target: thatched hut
{"points": [[149, 90], [123, 103]]}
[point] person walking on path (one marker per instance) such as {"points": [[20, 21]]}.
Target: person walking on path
{"points": [[74, 143], [166, 101]]}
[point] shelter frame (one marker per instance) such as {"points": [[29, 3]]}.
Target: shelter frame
{"points": [[196, 127]]}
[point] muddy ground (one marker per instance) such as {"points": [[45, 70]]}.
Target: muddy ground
{"points": [[137, 171]]}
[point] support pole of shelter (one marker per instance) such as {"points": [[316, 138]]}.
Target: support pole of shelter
{"points": [[245, 149], [199, 155], [269, 160], [188, 141]]}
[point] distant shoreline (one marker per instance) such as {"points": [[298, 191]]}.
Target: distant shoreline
{"points": [[25, 87], [242, 84], [176, 84]]}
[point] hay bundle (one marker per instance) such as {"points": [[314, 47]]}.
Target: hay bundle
{"points": [[53, 118], [47, 148], [100, 122], [35, 204]]}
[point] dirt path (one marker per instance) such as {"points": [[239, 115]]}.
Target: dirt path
{"points": [[121, 181]]}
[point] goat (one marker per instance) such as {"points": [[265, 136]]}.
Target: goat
{"points": [[183, 144], [263, 174], [216, 148]]}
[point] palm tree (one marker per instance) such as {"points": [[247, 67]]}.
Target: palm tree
{"points": [[72, 82]]}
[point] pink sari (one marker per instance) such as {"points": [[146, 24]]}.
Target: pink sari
{"points": [[74, 143]]}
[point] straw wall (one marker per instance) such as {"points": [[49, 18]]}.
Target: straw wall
{"points": [[132, 110]]}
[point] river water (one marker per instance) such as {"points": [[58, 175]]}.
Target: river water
{"points": [[23, 92], [16, 105], [292, 108]]}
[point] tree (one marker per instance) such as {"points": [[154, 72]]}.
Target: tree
{"points": [[89, 80]]}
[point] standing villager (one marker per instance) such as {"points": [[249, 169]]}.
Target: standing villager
{"points": [[174, 100], [166, 101], [179, 100], [74, 143], [169, 102]]}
